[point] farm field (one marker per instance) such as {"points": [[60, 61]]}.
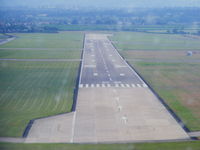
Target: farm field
{"points": [[174, 76], [37, 89], [150, 41], [143, 146], [40, 54], [67, 40]]}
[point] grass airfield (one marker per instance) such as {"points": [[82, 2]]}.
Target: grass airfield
{"points": [[33, 89]]}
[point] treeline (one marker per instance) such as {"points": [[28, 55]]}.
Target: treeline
{"points": [[50, 20]]}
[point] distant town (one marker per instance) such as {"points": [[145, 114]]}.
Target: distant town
{"points": [[52, 19]]}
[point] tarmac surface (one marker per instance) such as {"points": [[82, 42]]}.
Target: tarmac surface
{"points": [[113, 105]]}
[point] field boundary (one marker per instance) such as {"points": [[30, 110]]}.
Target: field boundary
{"points": [[41, 60], [75, 95], [174, 115]]}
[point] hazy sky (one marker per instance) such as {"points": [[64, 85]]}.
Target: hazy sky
{"points": [[102, 3]]}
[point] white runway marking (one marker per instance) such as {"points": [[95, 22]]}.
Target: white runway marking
{"points": [[108, 85], [80, 85], [73, 126], [110, 55], [122, 74], [127, 85], [103, 85], [92, 85], [86, 85], [97, 85], [95, 74], [133, 85], [124, 118], [90, 66], [116, 85], [119, 66], [138, 85], [144, 85], [122, 85]]}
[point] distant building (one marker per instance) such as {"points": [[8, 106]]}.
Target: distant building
{"points": [[189, 53]]}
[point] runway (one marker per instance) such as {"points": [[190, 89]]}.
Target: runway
{"points": [[114, 104]]}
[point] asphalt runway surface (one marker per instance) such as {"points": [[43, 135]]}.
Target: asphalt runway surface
{"points": [[114, 104], [103, 66]]}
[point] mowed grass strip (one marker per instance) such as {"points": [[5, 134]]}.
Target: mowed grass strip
{"points": [[150, 41], [178, 84], [40, 54], [68, 40], [34, 89], [194, 145]]}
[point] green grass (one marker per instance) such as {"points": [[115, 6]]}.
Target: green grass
{"points": [[68, 40], [33, 89], [195, 145], [40, 54], [30, 90], [2, 36], [178, 84], [150, 41]]}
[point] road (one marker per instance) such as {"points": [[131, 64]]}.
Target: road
{"points": [[114, 104]]}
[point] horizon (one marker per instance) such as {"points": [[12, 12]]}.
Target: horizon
{"points": [[109, 4]]}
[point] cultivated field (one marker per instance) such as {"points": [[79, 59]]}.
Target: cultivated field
{"points": [[37, 89], [166, 66], [149, 41]]}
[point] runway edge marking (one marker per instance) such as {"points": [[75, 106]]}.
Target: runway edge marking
{"points": [[174, 115], [80, 77]]}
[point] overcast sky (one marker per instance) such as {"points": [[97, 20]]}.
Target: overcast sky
{"points": [[102, 3]]}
